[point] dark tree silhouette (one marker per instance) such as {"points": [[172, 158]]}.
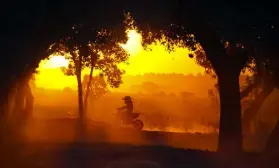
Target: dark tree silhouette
{"points": [[228, 53], [213, 95], [264, 67], [257, 97], [95, 49], [227, 61], [269, 51], [227, 46], [23, 100], [25, 40]]}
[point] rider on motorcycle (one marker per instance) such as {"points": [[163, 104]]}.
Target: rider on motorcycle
{"points": [[128, 108]]}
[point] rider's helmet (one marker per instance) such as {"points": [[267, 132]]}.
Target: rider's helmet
{"points": [[127, 98]]}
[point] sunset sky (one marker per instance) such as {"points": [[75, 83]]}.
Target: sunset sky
{"points": [[140, 62]]}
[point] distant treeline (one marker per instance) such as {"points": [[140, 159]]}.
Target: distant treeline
{"points": [[172, 83], [184, 108]]}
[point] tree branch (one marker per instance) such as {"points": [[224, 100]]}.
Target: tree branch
{"points": [[242, 58], [204, 33], [248, 90]]}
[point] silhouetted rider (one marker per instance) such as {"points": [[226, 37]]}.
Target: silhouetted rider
{"points": [[128, 108]]}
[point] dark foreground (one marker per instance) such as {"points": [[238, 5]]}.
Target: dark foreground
{"points": [[84, 155], [52, 145]]}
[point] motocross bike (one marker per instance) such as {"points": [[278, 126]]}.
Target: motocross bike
{"points": [[130, 120]]}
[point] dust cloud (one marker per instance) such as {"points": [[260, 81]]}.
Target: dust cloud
{"points": [[174, 108]]}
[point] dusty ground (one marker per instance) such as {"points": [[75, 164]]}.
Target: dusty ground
{"points": [[52, 145], [84, 155], [63, 130]]}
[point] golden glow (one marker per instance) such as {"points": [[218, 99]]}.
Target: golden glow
{"points": [[50, 75], [54, 62], [157, 60], [133, 45], [141, 61]]}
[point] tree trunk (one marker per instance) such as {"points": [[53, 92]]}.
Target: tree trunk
{"points": [[81, 120], [11, 101], [80, 98], [22, 107], [23, 104], [18, 102], [78, 68], [230, 132], [29, 102], [4, 110], [254, 108], [87, 92]]}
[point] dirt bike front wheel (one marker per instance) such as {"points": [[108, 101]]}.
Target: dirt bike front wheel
{"points": [[138, 124]]}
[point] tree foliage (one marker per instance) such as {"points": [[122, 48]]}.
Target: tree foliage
{"points": [[98, 86], [98, 48], [227, 57]]}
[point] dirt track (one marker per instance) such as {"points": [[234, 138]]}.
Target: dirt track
{"points": [[52, 144], [64, 131], [88, 155]]}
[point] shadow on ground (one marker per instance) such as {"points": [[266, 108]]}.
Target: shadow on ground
{"points": [[51, 144]]}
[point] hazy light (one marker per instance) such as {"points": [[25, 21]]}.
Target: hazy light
{"points": [[158, 60]]}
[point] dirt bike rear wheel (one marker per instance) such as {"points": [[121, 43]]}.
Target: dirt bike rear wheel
{"points": [[138, 124]]}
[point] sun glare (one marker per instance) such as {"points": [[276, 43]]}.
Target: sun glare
{"points": [[54, 62], [156, 60], [133, 45]]}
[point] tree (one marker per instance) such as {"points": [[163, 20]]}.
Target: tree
{"points": [[67, 90], [269, 47], [214, 99], [227, 63], [186, 95], [23, 100], [227, 51], [95, 88], [227, 59], [102, 53], [29, 28], [263, 66], [150, 87], [257, 97]]}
